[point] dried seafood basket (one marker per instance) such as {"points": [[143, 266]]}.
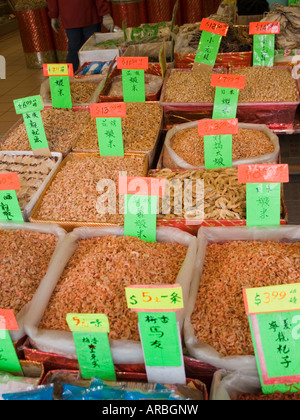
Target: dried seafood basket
{"points": [[225, 341], [59, 340]]}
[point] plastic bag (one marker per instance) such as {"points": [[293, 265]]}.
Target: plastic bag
{"points": [[39, 394]]}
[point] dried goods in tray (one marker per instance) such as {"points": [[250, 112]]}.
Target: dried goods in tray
{"points": [[61, 127], [95, 278], [219, 318], [32, 172]]}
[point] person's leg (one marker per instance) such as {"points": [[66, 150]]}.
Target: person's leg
{"points": [[75, 40], [88, 31]]}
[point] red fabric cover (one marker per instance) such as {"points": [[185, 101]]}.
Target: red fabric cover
{"points": [[78, 13]]}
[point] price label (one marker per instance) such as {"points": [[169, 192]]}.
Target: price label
{"points": [[9, 205], [263, 173], [9, 181], [208, 49], [217, 127], [92, 345], [263, 204], [148, 298], [230, 81], [264, 28], [60, 92], [272, 299], [29, 104], [218, 151], [263, 50], [214, 27], [226, 103], [133, 63], [134, 89], [9, 361], [88, 322]]}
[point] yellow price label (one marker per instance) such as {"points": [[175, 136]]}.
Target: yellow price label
{"points": [[88, 323], [154, 298], [278, 298], [58, 70]]}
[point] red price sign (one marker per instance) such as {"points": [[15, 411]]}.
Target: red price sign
{"points": [[133, 63], [218, 127], [260, 174], [9, 182], [108, 110], [264, 28], [230, 81], [217, 28]]}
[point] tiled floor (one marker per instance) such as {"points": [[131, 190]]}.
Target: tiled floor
{"points": [[20, 81]]}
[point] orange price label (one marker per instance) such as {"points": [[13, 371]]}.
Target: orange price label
{"points": [[260, 174], [218, 127], [58, 70], [230, 81], [217, 28], [108, 110], [9, 182], [8, 320], [133, 63], [264, 28], [142, 186]]}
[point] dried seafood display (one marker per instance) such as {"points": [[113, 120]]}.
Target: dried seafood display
{"points": [[219, 316], [61, 127], [32, 172], [98, 272], [25, 256], [73, 194]]}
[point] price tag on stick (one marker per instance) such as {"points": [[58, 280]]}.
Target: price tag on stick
{"points": [[9, 205], [159, 331], [9, 361], [90, 333], [59, 79], [31, 108], [263, 186], [133, 77], [141, 206], [264, 42], [274, 318]]}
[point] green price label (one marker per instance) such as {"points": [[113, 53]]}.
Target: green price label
{"points": [[208, 48], [276, 338], [110, 136], [29, 104], [218, 151], [9, 207], [9, 361], [263, 50], [141, 217], [60, 91], [226, 103], [134, 89], [160, 339], [35, 130], [94, 355], [263, 204]]}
